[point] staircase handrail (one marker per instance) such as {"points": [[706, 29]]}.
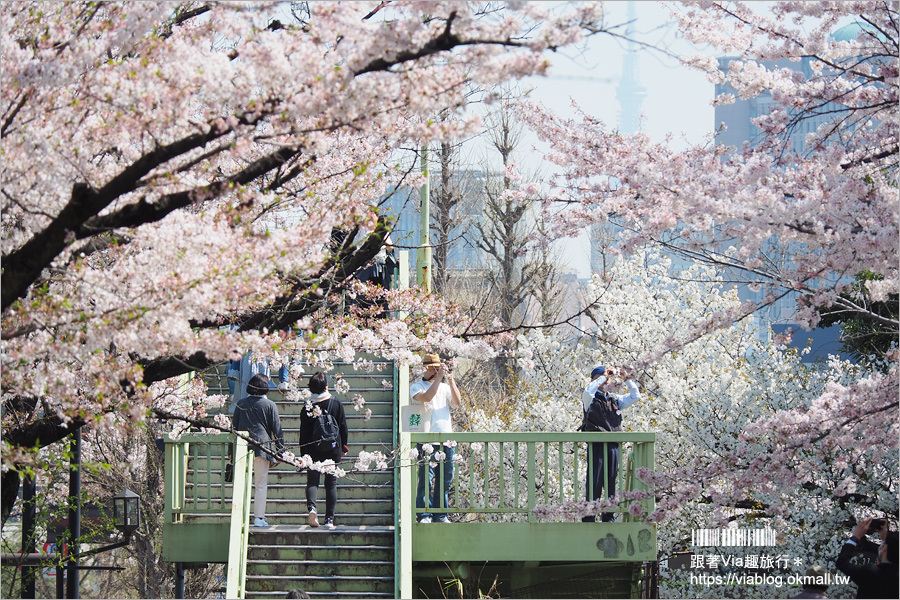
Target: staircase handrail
{"points": [[238, 541]]}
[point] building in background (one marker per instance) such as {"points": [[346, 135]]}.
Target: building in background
{"points": [[735, 127], [462, 252]]}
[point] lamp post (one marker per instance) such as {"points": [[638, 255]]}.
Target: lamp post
{"points": [[127, 516], [127, 519], [423, 257], [127, 512]]}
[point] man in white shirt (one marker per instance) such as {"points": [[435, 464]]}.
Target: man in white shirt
{"points": [[605, 415], [437, 391]]}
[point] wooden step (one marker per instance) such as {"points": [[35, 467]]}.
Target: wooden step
{"points": [[344, 491], [322, 568], [326, 586], [341, 518], [372, 478], [296, 506], [354, 560]]}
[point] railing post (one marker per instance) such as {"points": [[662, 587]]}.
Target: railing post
{"points": [[532, 483], [404, 482], [650, 464], [235, 577], [604, 449], [175, 479], [589, 472], [629, 482], [406, 499], [501, 477]]}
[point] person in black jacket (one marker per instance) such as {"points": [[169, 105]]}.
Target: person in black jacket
{"points": [[258, 416], [603, 412], [321, 402], [873, 580]]}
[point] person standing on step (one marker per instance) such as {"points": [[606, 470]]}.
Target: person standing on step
{"points": [[239, 372], [258, 416], [323, 436], [603, 412], [438, 392]]}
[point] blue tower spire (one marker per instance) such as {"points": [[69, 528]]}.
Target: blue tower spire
{"points": [[630, 93]]}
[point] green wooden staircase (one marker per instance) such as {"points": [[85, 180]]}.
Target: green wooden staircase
{"points": [[357, 558], [377, 549]]}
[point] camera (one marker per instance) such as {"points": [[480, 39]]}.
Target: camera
{"points": [[876, 525]]}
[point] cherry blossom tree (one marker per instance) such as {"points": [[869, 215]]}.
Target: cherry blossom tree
{"points": [[173, 174], [833, 210], [704, 401]]}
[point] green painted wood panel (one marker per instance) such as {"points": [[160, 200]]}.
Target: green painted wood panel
{"points": [[588, 542]]}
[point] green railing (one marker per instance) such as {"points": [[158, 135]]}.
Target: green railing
{"points": [[504, 476], [196, 488], [204, 457]]}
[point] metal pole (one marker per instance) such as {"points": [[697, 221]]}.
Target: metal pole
{"points": [[72, 576], [28, 541], [423, 256], [179, 580]]}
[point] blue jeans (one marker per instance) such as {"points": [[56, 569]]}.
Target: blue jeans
{"points": [[439, 496]]}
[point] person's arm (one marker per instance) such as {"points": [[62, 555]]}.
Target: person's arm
{"points": [[342, 425], [277, 432], [455, 396], [305, 431], [850, 548], [587, 396], [236, 417], [633, 395], [429, 393]]}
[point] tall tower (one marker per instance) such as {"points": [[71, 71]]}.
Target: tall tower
{"points": [[630, 95]]}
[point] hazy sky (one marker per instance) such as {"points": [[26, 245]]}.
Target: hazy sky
{"points": [[677, 100]]}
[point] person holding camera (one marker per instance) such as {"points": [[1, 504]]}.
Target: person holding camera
{"points": [[603, 412], [873, 580], [438, 391]]}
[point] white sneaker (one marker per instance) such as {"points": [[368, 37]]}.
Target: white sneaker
{"points": [[257, 522], [313, 521], [425, 520], [442, 519], [329, 524]]}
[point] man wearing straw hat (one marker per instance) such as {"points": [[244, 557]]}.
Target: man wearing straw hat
{"points": [[438, 392]]}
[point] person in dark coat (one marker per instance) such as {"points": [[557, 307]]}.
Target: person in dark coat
{"points": [[258, 416], [607, 416], [321, 402], [880, 579]]}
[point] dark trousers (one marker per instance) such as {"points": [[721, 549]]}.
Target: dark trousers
{"points": [[312, 492], [595, 475]]}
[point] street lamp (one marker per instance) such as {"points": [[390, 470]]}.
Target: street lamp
{"points": [[127, 516], [127, 512]]}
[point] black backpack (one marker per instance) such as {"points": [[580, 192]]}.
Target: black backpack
{"points": [[603, 414], [326, 435]]}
